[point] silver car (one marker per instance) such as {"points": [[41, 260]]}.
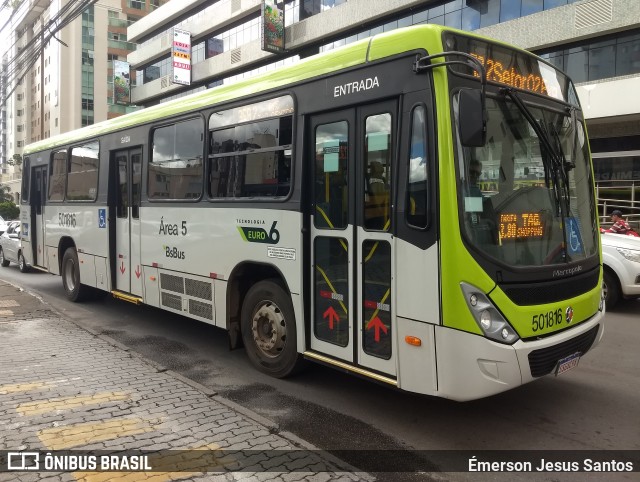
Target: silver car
{"points": [[11, 247], [3, 225], [621, 258]]}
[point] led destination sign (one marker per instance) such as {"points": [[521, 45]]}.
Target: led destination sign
{"points": [[497, 72], [520, 226], [510, 67]]}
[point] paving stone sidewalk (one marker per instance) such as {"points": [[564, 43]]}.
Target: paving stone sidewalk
{"points": [[65, 388]]}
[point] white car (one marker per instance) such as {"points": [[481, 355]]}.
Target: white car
{"points": [[621, 257], [3, 225], [11, 247]]}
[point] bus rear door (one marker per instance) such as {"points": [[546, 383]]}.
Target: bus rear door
{"points": [[127, 268], [351, 242], [38, 196]]}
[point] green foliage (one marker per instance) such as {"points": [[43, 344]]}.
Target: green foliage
{"points": [[5, 193], [8, 210], [16, 160]]}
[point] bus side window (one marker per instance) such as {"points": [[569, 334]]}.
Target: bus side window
{"points": [[417, 189], [378, 171], [82, 175], [176, 168], [57, 176], [331, 168]]}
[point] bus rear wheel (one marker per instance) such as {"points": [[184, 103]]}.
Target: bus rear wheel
{"points": [[74, 290], [269, 329]]}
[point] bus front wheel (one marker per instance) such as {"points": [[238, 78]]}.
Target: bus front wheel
{"points": [[269, 329], [74, 290], [611, 289]]}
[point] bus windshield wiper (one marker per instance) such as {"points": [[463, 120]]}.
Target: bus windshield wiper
{"points": [[552, 160], [564, 168], [557, 165]]}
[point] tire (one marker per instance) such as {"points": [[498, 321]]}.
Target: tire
{"points": [[22, 263], [70, 272], [611, 289], [269, 329], [3, 261]]}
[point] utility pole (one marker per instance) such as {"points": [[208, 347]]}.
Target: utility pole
{"points": [[42, 79]]}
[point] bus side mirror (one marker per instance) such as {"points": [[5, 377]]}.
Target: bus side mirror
{"points": [[473, 125]]}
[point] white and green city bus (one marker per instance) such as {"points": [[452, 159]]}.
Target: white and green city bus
{"points": [[331, 211]]}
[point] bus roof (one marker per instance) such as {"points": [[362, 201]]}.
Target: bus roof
{"points": [[428, 37]]}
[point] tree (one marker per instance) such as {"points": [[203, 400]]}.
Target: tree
{"points": [[5, 193], [16, 160], [8, 210]]}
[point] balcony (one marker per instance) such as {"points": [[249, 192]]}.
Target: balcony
{"points": [[121, 44], [118, 22]]}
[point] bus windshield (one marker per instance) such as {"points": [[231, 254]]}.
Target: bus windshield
{"points": [[526, 197]]}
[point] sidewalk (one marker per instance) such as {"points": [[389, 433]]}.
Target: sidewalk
{"points": [[64, 388]]}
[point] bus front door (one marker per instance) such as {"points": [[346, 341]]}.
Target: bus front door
{"points": [[127, 268], [39, 189], [351, 242]]}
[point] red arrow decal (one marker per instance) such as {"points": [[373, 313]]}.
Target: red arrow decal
{"points": [[122, 268], [138, 272], [377, 324], [331, 313]]}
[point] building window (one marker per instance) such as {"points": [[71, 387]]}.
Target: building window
{"points": [[87, 104], [137, 4], [87, 57], [601, 58]]}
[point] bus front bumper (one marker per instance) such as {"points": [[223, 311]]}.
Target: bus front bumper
{"points": [[472, 366]]}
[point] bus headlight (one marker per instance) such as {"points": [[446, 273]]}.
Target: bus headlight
{"points": [[487, 316]]}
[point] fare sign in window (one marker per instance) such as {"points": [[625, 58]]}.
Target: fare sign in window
{"points": [[521, 226]]}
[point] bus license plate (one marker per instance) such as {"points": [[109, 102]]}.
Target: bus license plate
{"points": [[568, 363]]}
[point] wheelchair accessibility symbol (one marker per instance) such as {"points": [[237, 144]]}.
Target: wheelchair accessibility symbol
{"points": [[574, 241], [102, 218]]}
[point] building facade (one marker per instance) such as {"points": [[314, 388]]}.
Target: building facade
{"points": [[54, 84], [596, 41]]}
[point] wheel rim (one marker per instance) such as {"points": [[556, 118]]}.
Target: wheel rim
{"points": [[69, 275], [21, 261], [1, 256], [269, 329], [605, 291]]}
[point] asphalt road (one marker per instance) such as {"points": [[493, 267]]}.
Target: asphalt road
{"points": [[592, 407]]}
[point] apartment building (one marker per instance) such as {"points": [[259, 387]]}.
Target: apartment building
{"points": [[52, 84], [596, 41]]}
